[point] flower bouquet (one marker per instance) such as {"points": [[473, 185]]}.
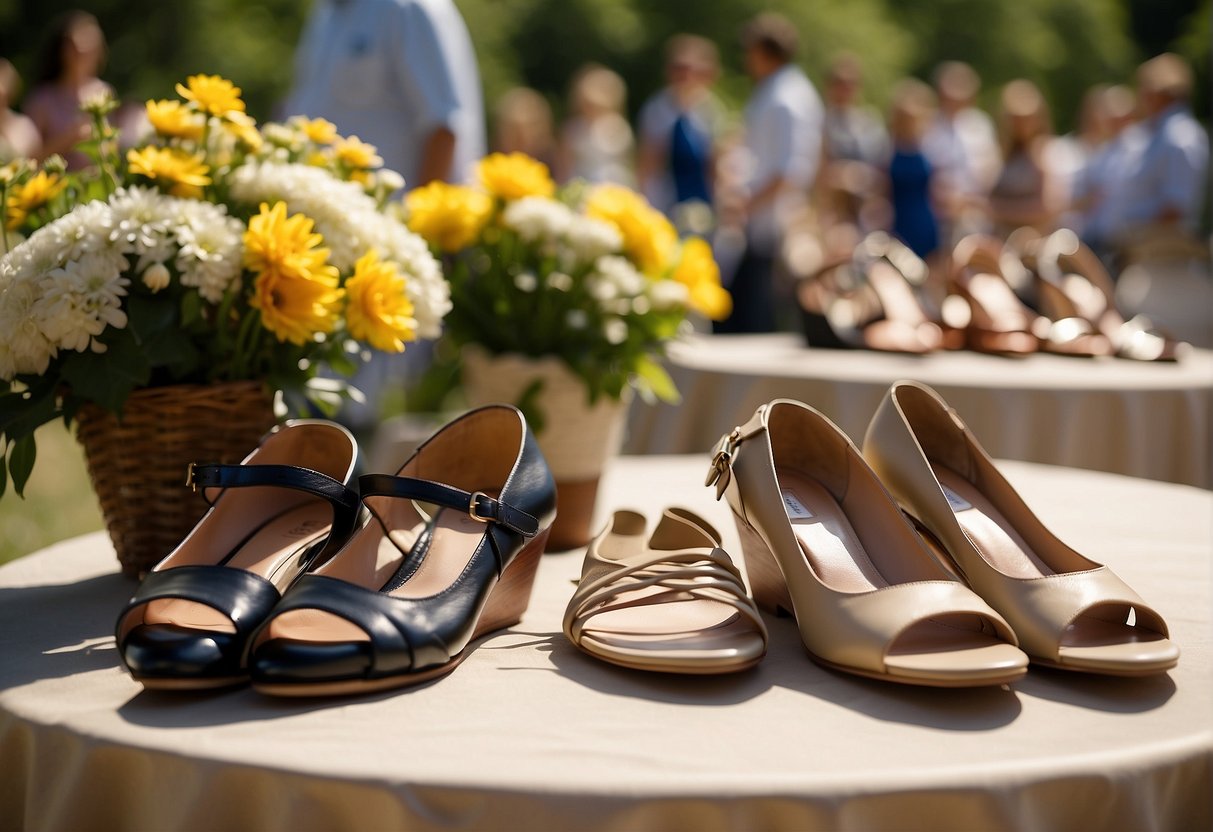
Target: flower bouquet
{"points": [[213, 252], [562, 302]]}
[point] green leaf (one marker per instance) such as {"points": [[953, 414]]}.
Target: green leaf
{"points": [[108, 378], [528, 403], [21, 462], [26, 412], [657, 380], [191, 309], [149, 316]]}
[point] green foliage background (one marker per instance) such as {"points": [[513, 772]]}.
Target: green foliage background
{"points": [[1063, 45]]}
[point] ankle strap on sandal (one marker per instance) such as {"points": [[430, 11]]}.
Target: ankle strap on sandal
{"points": [[343, 498], [478, 505], [720, 470]]}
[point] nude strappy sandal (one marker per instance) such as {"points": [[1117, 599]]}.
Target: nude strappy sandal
{"points": [[825, 542], [1068, 611], [285, 507], [674, 603]]}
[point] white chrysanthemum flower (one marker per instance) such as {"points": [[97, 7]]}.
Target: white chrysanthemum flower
{"points": [[140, 221], [590, 238], [526, 282], [23, 346], [576, 319], [615, 331], [641, 305], [211, 245], [668, 294], [601, 288], [81, 298], [283, 137], [87, 229], [537, 218], [389, 180], [560, 282], [156, 277], [351, 224], [619, 272]]}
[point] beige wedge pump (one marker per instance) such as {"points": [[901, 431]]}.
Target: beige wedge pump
{"points": [[824, 541], [1068, 611]]}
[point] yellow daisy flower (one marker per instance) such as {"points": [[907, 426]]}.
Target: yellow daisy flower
{"points": [[296, 289], [212, 94], [38, 190], [288, 244], [379, 310], [184, 175], [318, 130], [174, 120], [244, 128], [514, 175], [648, 237], [295, 308], [697, 270], [449, 217], [357, 154]]}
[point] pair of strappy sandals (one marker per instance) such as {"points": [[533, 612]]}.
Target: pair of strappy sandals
{"points": [[912, 561], [1035, 293], [305, 587]]}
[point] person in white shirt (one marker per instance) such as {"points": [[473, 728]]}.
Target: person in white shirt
{"points": [[962, 147], [679, 128], [1166, 184], [783, 139], [402, 76], [399, 74]]}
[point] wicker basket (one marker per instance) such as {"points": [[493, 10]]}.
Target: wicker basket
{"points": [[137, 464]]}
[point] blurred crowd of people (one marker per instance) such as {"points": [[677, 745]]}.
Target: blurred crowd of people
{"points": [[805, 176], [801, 178]]}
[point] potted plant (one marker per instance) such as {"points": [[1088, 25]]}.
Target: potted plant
{"points": [[563, 301], [168, 297]]}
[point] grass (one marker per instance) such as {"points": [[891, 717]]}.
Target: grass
{"points": [[59, 501]]}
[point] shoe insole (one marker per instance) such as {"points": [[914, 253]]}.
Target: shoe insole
{"points": [[453, 537], [270, 552], [826, 536], [1005, 549], [839, 559], [644, 615], [996, 308]]}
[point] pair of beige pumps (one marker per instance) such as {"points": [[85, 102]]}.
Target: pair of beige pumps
{"points": [[912, 561]]}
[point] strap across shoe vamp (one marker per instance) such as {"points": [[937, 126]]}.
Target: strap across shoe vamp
{"points": [[206, 476], [243, 597], [1041, 609], [476, 504], [695, 573], [402, 631]]}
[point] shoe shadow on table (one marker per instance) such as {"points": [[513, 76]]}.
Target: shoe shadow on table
{"points": [[59, 630], [788, 666], [1114, 694]]}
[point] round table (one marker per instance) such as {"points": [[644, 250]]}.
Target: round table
{"points": [[529, 733], [1152, 420]]}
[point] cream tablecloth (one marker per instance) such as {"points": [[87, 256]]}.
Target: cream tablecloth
{"points": [[1142, 419], [530, 734]]}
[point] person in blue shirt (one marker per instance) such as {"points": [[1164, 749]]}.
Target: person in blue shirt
{"points": [[1165, 184]]}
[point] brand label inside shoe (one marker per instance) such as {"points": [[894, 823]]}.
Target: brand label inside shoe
{"points": [[957, 502], [796, 510]]}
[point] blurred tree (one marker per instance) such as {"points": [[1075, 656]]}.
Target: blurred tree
{"points": [[1062, 45], [153, 44]]}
